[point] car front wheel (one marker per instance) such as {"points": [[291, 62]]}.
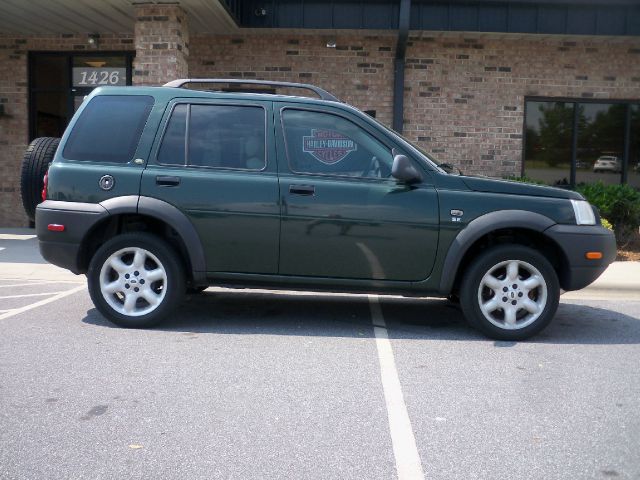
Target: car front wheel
{"points": [[510, 292], [136, 280]]}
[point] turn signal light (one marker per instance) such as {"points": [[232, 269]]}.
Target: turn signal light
{"points": [[593, 255], [55, 227]]}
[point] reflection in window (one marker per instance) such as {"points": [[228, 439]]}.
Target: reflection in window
{"points": [[327, 144], [227, 137], [634, 148], [600, 142], [549, 127], [172, 148]]}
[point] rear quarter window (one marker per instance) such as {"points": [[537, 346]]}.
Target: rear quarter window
{"points": [[109, 129]]}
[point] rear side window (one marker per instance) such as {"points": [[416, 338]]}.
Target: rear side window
{"points": [[216, 136], [109, 129]]}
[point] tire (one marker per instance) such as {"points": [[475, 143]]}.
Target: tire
{"points": [[516, 268], [160, 279], [35, 164]]}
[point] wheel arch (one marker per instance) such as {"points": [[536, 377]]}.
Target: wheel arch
{"points": [[504, 226], [133, 213]]}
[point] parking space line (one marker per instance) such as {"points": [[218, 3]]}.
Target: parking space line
{"points": [[15, 236], [405, 451], [27, 284], [42, 294], [41, 302], [2, 248]]}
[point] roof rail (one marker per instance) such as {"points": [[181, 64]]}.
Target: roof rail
{"points": [[323, 94]]}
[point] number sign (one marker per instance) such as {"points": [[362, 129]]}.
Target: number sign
{"points": [[94, 77]]}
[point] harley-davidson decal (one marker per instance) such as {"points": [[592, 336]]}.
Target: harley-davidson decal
{"points": [[328, 146]]}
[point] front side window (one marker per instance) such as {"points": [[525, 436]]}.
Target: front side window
{"points": [[109, 129], [327, 144]]}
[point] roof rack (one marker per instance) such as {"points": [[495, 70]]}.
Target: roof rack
{"points": [[323, 94]]}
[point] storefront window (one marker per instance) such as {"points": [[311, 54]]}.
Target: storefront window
{"points": [[549, 127], [598, 130], [600, 149], [634, 148]]}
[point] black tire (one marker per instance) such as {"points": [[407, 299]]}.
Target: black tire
{"points": [[35, 164], [486, 262], [170, 263]]}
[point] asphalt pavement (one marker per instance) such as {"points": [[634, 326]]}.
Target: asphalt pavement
{"points": [[256, 384]]}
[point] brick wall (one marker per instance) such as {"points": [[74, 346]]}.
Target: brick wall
{"points": [[465, 99], [464, 96], [359, 70], [162, 44], [14, 128]]}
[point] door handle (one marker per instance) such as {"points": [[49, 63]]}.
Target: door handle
{"points": [[167, 181], [302, 189]]}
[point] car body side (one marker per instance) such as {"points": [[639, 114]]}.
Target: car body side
{"points": [[486, 211]]}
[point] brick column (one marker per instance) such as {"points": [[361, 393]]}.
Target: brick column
{"points": [[162, 44]]}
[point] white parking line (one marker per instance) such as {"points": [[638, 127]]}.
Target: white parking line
{"points": [[41, 302], [15, 236], [32, 295], [405, 451], [25, 284], [2, 248]]}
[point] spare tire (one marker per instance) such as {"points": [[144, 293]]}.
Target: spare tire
{"points": [[35, 164]]}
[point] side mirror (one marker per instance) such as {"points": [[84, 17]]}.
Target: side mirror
{"points": [[404, 171]]}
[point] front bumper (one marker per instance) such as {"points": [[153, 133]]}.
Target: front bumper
{"points": [[63, 248], [575, 241]]}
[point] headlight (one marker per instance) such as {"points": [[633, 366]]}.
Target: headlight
{"points": [[583, 212]]}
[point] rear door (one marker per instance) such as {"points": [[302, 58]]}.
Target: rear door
{"points": [[343, 215], [215, 161]]}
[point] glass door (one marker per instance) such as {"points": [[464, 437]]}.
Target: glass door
{"points": [[59, 82]]}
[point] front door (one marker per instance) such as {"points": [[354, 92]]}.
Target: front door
{"points": [[216, 164], [343, 216]]}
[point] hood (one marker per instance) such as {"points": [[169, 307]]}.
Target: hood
{"points": [[480, 184]]}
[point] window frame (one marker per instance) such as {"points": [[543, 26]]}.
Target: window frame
{"points": [[624, 177], [189, 103], [330, 175]]}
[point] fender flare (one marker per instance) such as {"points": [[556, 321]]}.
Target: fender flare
{"points": [[479, 227], [172, 216]]}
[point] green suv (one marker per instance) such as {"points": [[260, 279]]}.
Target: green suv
{"points": [[155, 191]]}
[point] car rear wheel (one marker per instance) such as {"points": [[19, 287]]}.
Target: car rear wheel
{"points": [[136, 280], [510, 292]]}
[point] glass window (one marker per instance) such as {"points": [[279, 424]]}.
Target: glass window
{"points": [[633, 172], [50, 72], [173, 143], [600, 142], [93, 71], [109, 129], [227, 136], [327, 144], [549, 128], [50, 113]]}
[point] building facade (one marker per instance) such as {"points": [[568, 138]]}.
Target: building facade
{"points": [[502, 88]]}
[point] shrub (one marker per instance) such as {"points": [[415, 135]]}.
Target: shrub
{"points": [[606, 224], [524, 179], [620, 204]]}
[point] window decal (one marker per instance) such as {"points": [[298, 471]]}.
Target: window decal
{"points": [[328, 146]]}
